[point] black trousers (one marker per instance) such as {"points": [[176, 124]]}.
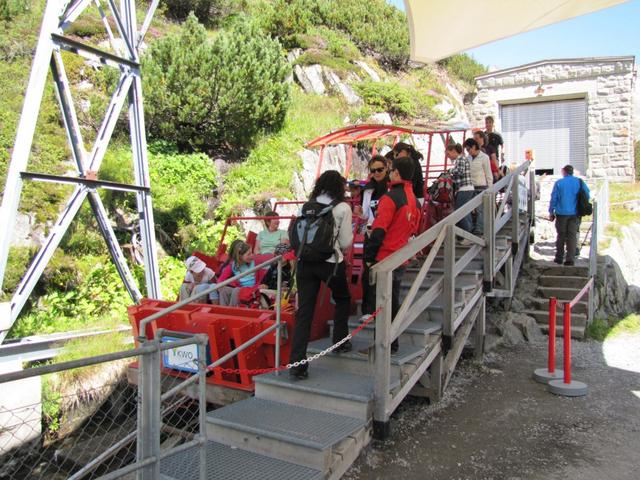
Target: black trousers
{"points": [[309, 275], [369, 292], [566, 233]]}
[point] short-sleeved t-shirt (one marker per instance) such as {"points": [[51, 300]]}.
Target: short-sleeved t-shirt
{"points": [[495, 140], [268, 240]]}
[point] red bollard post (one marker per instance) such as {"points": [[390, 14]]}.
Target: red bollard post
{"points": [[566, 317], [545, 375], [553, 304]]}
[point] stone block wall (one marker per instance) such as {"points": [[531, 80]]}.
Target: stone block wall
{"points": [[607, 84]]}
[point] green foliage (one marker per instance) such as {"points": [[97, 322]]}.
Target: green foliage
{"points": [[9, 9], [373, 25], [205, 237], [601, 329], [19, 259], [388, 97], [267, 172], [205, 94], [619, 194], [51, 406], [464, 67], [208, 12], [286, 18]]}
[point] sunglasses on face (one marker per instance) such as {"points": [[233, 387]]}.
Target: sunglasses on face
{"points": [[377, 170]]}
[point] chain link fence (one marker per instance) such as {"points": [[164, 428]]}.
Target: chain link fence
{"points": [[89, 418]]}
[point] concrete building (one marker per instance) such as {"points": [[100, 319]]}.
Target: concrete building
{"points": [[578, 111]]}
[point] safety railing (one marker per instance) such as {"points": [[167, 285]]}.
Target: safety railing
{"points": [[567, 386], [88, 401], [417, 301]]}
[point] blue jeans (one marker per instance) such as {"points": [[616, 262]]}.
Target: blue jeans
{"points": [[463, 197], [478, 228]]}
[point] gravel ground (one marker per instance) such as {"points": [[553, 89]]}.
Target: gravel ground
{"points": [[494, 422]]}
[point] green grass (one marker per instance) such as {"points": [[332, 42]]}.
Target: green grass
{"points": [[601, 329], [619, 215], [268, 171]]}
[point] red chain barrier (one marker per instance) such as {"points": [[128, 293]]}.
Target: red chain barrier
{"points": [[260, 371]]}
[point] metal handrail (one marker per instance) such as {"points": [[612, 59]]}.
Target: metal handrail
{"points": [[442, 233]]}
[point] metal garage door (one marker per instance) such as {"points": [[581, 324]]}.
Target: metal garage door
{"points": [[556, 131]]}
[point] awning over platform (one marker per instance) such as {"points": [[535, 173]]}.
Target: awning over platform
{"points": [[440, 28]]}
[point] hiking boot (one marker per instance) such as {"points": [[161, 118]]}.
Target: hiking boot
{"points": [[558, 261], [568, 264], [344, 348], [395, 346], [297, 373]]}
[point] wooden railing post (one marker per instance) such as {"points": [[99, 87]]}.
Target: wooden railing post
{"points": [[489, 206], [381, 395], [593, 245], [449, 287], [532, 198], [515, 213]]}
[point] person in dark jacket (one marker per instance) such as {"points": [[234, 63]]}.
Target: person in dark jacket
{"points": [[397, 220], [405, 150]]}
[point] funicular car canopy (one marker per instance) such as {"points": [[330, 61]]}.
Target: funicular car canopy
{"points": [[374, 132]]}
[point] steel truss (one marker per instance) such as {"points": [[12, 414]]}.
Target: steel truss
{"points": [[58, 16]]}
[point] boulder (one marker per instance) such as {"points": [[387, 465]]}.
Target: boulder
{"points": [[517, 305], [341, 88], [310, 78], [293, 55], [527, 325], [368, 70], [492, 341], [382, 118]]}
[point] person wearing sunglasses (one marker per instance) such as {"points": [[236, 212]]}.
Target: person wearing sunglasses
{"points": [[375, 188]]}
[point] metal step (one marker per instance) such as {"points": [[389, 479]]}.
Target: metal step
{"points": [[419, 333], [360, 359], [295, 434], [229, 463], [326, 390], [562, 281], [542, 317]]}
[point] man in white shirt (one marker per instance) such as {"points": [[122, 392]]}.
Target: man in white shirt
{"points": [[481, 177]]}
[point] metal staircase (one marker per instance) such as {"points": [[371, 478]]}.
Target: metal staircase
{"points": [[317, 427]]}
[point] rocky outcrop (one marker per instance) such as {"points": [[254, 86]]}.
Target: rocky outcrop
{"points": [[26, 232], [310, 78], [341, 88]]}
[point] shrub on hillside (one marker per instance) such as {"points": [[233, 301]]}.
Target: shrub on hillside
{"points": [[388, 97], [464, 67], [207, 11], [205, 95], [9, 9], [373, 25]]}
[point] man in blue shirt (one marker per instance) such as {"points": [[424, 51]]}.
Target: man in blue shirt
{"points": [[564, 210]]}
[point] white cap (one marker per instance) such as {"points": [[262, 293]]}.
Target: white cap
{"points": [[195, 264]]}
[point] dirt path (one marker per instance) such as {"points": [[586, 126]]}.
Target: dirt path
{"points": [[496, 423]]}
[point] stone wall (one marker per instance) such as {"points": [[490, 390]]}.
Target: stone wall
{"points": [[606, 84]]}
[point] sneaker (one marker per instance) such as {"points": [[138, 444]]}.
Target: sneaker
{"points": [[465, 242], [344, 348], [298, 373]]}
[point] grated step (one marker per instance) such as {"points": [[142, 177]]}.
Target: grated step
{"points": [[228, 463], [326, 382], [291, 424]]}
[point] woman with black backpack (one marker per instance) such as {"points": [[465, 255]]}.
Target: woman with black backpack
{"points": [[320, 236]]}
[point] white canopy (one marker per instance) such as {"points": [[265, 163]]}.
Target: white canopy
{"points": [[440, 28]]}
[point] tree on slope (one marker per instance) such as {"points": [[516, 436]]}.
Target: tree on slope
{"points": [[205, 95]]}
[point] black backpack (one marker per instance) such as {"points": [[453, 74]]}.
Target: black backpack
{"points": [[311, 234], [584, 206]]}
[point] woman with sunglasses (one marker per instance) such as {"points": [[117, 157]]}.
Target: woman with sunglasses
{"points": [[375, 188]]}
